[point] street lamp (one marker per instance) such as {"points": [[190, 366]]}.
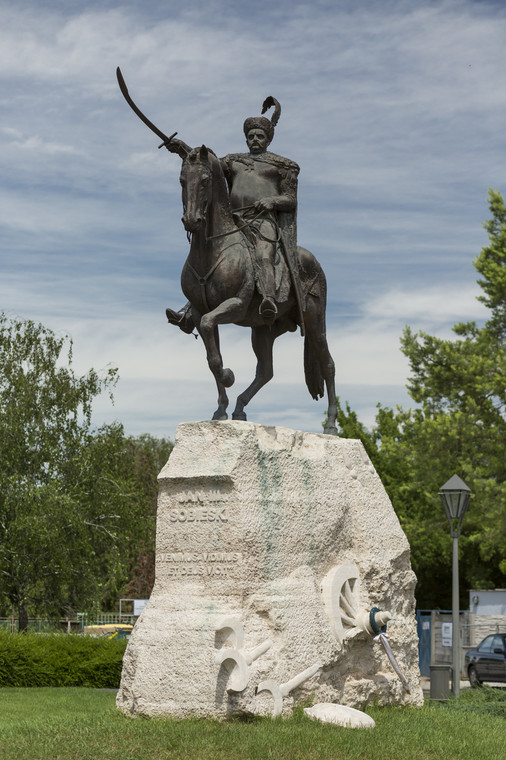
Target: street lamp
{"points": [[455, 496]]}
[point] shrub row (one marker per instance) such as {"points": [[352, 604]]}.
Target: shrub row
{"points": [[60, 659]]}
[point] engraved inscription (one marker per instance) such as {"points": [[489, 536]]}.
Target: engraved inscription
{"points": [[200, 556], [185, 571], [209, 564], [200, 497], [198, 514]]}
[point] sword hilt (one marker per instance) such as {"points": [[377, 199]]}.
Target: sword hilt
{"points": [[167, 141]]}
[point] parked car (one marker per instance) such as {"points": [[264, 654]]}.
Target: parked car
{"points": [[488, 661]]}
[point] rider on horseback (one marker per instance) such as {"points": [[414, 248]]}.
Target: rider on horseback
{"points": [[263, 196]]}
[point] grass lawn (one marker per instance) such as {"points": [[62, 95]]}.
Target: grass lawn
{"points": [[83, 724]]}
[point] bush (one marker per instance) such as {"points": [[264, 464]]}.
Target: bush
{"points": [[60, 659]]}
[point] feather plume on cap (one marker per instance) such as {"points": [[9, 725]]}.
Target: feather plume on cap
{"points": [[261, 122], [268, 103]]}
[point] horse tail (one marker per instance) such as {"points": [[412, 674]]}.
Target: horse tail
{"points": [[312, 366], [312, 371]]}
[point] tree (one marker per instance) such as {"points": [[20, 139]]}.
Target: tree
{"points": [[45, 426], [393, 446], [461, 385], [491, 264], [149, 456], [459, 427], [115, 497]]}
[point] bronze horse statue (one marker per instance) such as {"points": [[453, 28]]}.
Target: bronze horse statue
{"points": [[218, 279]]}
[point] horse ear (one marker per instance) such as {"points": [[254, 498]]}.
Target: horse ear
{"points": [[204, 153]]}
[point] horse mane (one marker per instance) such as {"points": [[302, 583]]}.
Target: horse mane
{"points": [[220, 184]]}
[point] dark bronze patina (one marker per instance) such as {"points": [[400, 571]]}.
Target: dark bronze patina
{"points": [[244, 266]]}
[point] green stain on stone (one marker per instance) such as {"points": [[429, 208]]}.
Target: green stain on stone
{"points": [[272, 509]]}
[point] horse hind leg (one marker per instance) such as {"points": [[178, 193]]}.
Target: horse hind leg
{"points": [[319, 350], [319, 366]]}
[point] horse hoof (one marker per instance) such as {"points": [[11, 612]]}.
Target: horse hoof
{"points": [[220, 416], [240, 416], [331, 430], [227, 377]]}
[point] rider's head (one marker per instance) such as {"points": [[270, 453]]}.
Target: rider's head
{"points": [[257, 139], [259, 129], [258, 125]]}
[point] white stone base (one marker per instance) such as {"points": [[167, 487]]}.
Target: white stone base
{"points": [[271, 544]]}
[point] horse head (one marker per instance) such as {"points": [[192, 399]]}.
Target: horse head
{"points": [[197, 187]]}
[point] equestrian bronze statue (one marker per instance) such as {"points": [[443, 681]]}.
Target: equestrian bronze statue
{"points": [[244, 266]]}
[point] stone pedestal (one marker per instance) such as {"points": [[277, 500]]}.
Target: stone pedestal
{"points": [[272, 547]]}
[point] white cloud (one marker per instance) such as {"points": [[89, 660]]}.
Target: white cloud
{"points": [[434, 306], [36, 145]]}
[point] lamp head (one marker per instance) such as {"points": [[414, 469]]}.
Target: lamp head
{"points": [[455, 496]]}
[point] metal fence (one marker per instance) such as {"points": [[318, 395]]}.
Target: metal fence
{"points": [[435, 644], [68, 625], [480, 626]]}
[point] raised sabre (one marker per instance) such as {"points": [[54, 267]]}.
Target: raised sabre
{"points": [[142, 117]]}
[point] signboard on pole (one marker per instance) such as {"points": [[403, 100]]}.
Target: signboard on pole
{"points": [[139, 605], [446, 634]]}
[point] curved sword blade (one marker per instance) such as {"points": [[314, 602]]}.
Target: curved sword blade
{"points": [[388, 649], [147, 122]]}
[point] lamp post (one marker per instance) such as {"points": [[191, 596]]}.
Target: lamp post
{"points": [[455, 496]]}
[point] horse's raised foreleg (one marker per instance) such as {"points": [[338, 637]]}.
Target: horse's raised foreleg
{"points": [[221, 411], [229, 311], [262, 339]]}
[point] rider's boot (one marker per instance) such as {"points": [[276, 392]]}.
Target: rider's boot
{"points": [[268, 309], [182, 318]]}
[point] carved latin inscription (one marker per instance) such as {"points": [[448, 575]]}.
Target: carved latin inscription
{"points": [[209, 564]]}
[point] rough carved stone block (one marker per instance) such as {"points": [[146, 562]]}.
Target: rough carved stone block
{"points": [[273, 543]]}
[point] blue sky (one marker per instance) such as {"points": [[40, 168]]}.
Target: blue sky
{"points": [[395, 112]]}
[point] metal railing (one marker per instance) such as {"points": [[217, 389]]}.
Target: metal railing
{"points": [[472, 633], [68, 625]]}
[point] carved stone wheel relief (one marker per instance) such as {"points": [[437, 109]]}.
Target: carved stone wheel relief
{"points": [[341, 599], [236, 660]]}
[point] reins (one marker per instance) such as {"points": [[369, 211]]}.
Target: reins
{"points": [[237, 229]]}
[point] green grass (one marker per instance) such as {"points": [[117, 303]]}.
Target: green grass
{"points": [[83, 724]]}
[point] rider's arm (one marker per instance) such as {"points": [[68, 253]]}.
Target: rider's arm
{"points": [[287, 198], [178, 146]]}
